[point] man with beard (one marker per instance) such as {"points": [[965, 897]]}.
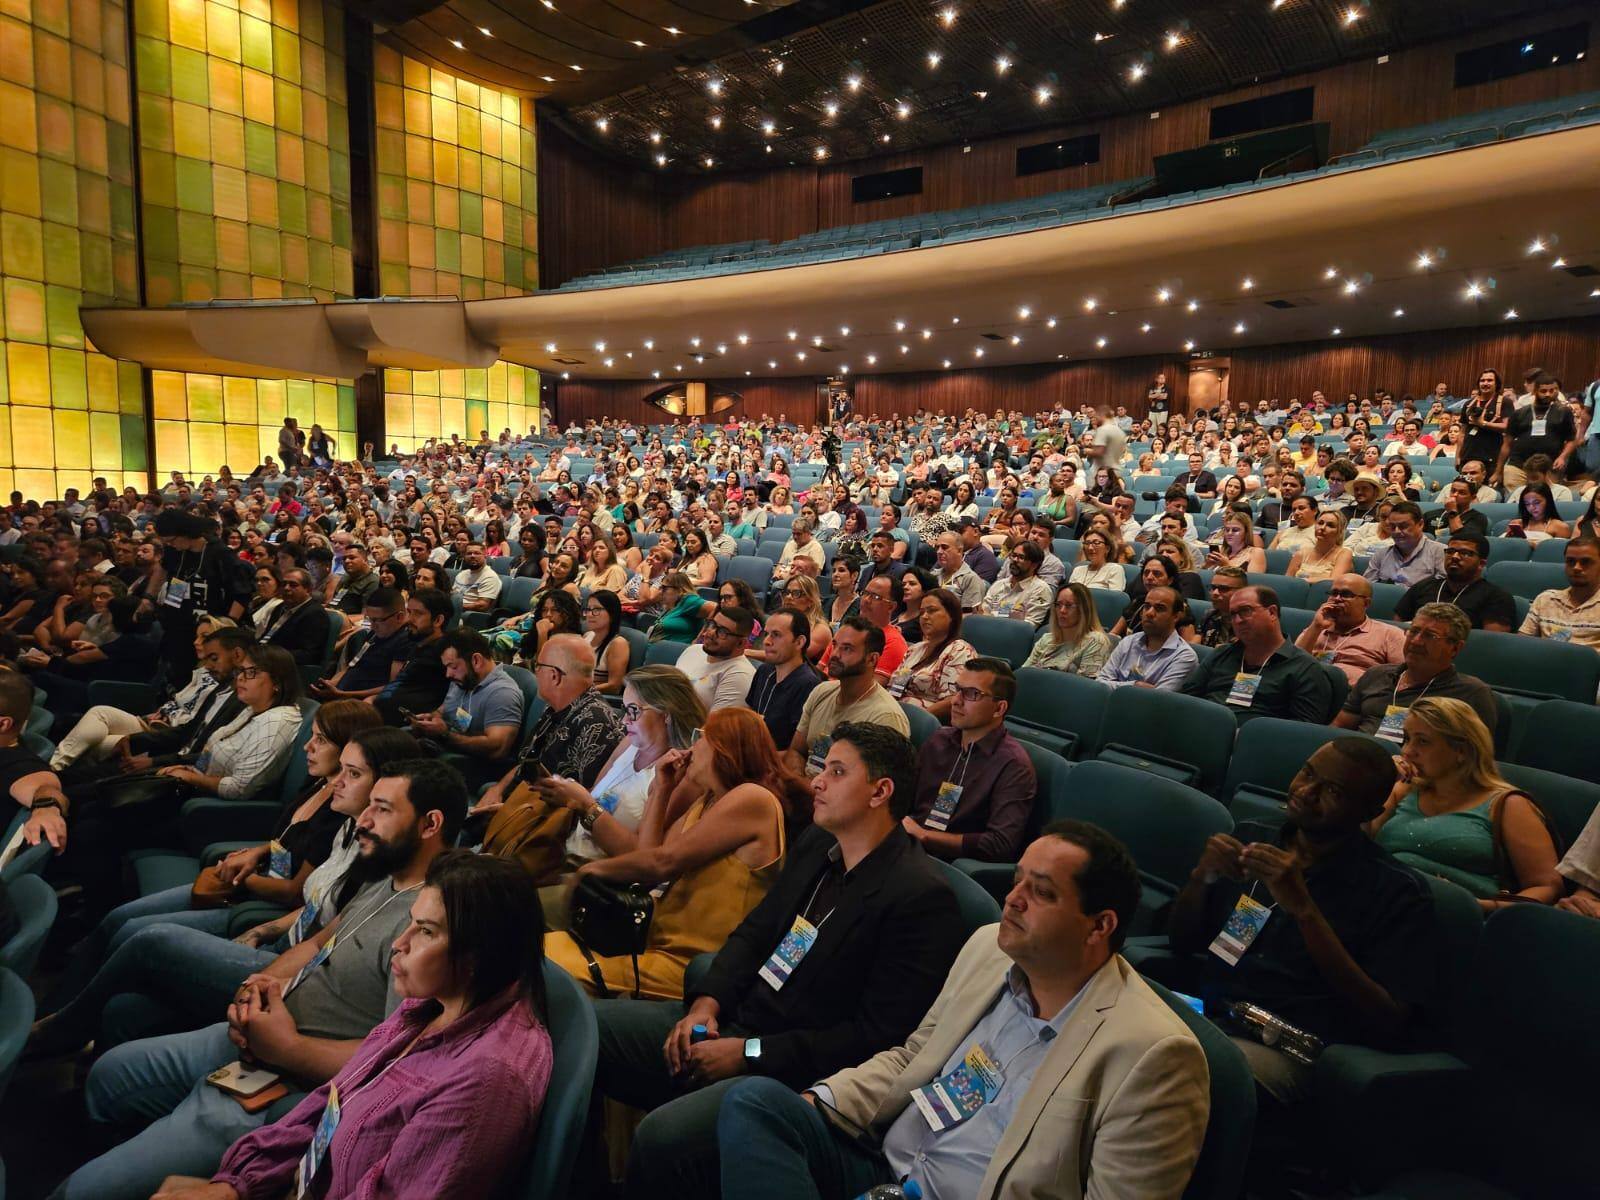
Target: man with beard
{"points": [[852, 692], [301, 1018], [1318, 925]]}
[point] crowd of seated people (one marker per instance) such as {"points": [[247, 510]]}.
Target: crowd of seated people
{"points": [[437, 692]]}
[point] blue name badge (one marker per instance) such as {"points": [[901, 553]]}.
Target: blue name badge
{"points": [[317, 960], [280, 863], [795, 945], [1244, 925], [317, 1152], [818, 757], [304, 923], [956, 1097]]}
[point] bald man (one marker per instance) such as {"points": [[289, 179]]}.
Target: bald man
{"points": [[1343, 634]]}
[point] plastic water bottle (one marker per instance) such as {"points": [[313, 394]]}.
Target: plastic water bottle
{"points": [[909, 1190], [698, 1034]]}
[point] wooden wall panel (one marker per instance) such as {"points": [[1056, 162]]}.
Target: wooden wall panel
{"points": [[595, 213], [1407, 363], [1414, 363]]}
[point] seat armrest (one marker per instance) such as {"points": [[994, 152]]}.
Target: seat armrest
{"points": [[208, 819], [217, 851]]}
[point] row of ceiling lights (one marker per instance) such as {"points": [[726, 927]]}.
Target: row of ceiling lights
{"points": [[1476, 289], [854, 83]]}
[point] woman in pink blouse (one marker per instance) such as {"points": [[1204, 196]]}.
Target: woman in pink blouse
{"points": [[441, 1101]]}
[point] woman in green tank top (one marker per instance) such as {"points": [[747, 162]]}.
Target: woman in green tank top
{"points": [[1454, 816]]}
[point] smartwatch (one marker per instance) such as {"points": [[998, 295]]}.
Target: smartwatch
{"points": [[752, 1053]]}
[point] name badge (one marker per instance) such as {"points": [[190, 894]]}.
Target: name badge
{"points": [[177, 593], [898, 683], [338, 597], [303, 923], [317, 1153], [796, 944], [280, 863], [1391, 728], [944, 806], [1244, 926], [463, 720], [818, 757], [607, 802], [1561, 635], [317, 960], [1539, 424], [956, 1097], [1243, 692]]}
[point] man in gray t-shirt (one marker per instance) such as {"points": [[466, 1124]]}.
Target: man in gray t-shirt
{"points": [[301, 1015]]}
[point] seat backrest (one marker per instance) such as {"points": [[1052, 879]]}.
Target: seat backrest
{"points": [[1051, 798], [1458, 926], [1219, 1171], [976, 906], [1000, 637], [1527, 579], [1108, 605], [665, 652], [1543, 667], [335, 628], [1561, 736], [1171, 725], [638, 645], [1270, 751], [923, 723], [1163, 823], [1567, 802], [1055, 700], [532, 703], [36, 905], [575, 1038], [16, 1020]]}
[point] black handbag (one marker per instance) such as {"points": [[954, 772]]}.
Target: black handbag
{"points": [[611, 921]]}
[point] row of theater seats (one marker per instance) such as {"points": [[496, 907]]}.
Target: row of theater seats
{"points": [[1089, 203]]}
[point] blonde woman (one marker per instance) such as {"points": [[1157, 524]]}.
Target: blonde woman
{"points": [[1177, 550], [1453, 815], [801, 592], [604, 572], [1326, 557], [1074, 641], [1238, 546]]}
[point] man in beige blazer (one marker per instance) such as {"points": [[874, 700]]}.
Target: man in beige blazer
{"points": [[1045, 1069]]}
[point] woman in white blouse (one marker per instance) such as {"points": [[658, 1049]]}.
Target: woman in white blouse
{"points": [[927, 677], [964, 503], [660, 713], [1097, 570]]}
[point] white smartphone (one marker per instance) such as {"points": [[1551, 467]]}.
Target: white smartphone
{"points": [[237, 1079]]}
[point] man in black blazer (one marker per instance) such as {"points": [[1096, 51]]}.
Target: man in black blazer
{"points": [[840, 961], [300, 623]]}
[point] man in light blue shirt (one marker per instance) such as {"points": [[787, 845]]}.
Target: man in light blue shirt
{"points": [[1157, 658], [1411, 556], [1045, 1067]]}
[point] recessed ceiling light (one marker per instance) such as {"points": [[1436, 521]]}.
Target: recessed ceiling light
{"points": [[1474, 290], [1337, 331], [744, 339], [1090, 304], [800, 356], [714, 86], [1163, 295], [872, 359], [844, 331], [611, 362], [1136, 72], [831, 109], [904, 349], [566, 374], [1041, 95], [1536, 246], [661, 160], [926, 334], [655, 374], [885, 138], [1238, 327], [1002, 64], [768, 149], [1594, 293], [902, 110], [673, 30], [708, 161], [484, 31], [600, 346], [550, 4], [955, 320], [1049, 322], [677, 366], [899, 326], [457, 44], [1352, 15], [1331, 273], [820, 152], [1424, 261], [792, 335], [844, 368], [1246, 284], [772, 364], [549, 347], [777, 66], [628, 354], [853, 83], [1172, 41], [576, 67], [981, 95], [548, 78], [1016, 339], [948, 16], [1024, 313], [947, 364], [1100, 37], [933, 58], [602, 124], [1100, 343], [1511, 314], [1558, 262], [1399, 312], [649, 344], [816, 339], [768, 128], [1193, 306], [1146, 327], [716, 122], [722, 347], [1351, 287], [655, 138], [695, 342], [1188, 345], [747, 372], [977, 352]]}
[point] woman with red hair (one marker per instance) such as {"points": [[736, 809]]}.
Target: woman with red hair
{"points": [[715, 828]]}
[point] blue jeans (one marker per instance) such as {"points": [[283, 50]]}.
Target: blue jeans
{"points": [[161, 1080], [775, 1146], [191, 975]]}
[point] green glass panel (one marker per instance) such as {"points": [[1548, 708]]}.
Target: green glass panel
{"points": [[197, 243], [194, 185], [301, 400], [291, 207], [264, 256], [154, 66], [105, 441], [205, 397], [447, 250], [286, 54], [347, 407], [99, 279], [58, 182], [135, 456], [260, 148], [69, 382], [61, 311], [321, 256], [477, 384], [255, 40], [61, 262], [130, 387], [477, 417], [25, 310], [191, 78], [472, 214], [21, 246]]}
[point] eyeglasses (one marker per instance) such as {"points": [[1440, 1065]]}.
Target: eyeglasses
{"points": [[248, 673], [633, 711], [554, 670], [1344, 594], [971, 695], [1425, 635], [1243, 612], [721, 630]]}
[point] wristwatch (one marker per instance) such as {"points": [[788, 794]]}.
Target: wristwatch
{"points": [[44, 802], [590, 817], [752, 1053]]}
